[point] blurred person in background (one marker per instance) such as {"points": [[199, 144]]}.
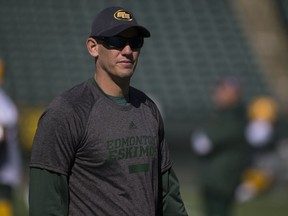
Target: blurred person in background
{"points": [[10, 171], [222, 149], [100, 148], [261, 134]]}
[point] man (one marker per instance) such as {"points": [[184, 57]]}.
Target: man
{"points": [[222, 149], [100, 148], [10, 172]]}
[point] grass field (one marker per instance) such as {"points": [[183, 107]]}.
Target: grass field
{"points": [[272, 203]]}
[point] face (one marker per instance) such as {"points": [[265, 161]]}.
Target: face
{"points": [[117, 63], [225, 95]]}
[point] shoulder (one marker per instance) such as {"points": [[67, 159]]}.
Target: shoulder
{"points": [[79, 95], [139, 97], [74, 102]]}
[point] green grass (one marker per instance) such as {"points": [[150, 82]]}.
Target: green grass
{"points": [[267, 204], [272, 203], [20, 204]]}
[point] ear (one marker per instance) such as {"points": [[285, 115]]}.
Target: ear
{"points": [[92, 47]]}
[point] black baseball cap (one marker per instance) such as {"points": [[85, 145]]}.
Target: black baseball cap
{"points": [[113, 20]]}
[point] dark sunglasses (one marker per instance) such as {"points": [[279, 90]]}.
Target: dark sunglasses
{"points": [[117, 42]]}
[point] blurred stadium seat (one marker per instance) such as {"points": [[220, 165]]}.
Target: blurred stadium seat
{"points": [[193, 44]]}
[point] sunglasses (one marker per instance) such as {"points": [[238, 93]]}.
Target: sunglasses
{"points": [[117, 42]]}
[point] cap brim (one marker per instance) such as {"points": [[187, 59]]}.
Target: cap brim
{"points": [[120, 28]]}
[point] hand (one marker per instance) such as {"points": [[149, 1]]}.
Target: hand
{"points": [[259, 133], [201, 143]]}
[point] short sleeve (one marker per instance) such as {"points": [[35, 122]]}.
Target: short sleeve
{"points": [[166, 162], [56, 138]]}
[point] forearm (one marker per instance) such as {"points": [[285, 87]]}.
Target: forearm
{"points": [[171, 200], [48, 193]]}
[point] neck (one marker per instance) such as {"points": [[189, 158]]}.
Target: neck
{"points": [[112, 87]]}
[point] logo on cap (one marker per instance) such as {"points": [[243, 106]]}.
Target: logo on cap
{"points": [[123, 15]]}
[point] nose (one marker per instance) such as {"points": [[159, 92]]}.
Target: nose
{"points": [[127, 49]]}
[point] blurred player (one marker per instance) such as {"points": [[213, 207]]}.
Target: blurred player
{"points": [[222, 149], [9, 150], [261, 135]]}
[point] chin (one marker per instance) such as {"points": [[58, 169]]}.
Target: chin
{"points": [[126, 73], [126, 76]]}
